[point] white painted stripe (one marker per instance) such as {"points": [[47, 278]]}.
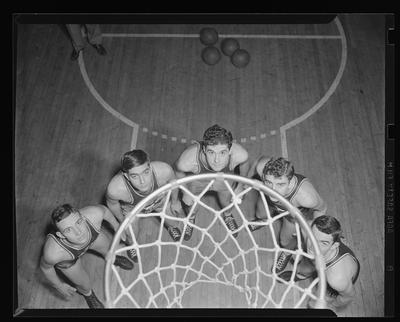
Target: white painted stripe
{"points": [[134, 137], [135, 126], [283, 143], [99, 98], [105, 105], [127, 35], [324, 99]]}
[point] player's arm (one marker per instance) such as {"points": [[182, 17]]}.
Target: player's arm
{"points": [[239, 157], [167, 175], [308, 197], [239, 161], [113, 204], [343, 285], [244, 167], [47, 262], [108, 216], [252, 168], [257, 166], [186, 163], [170, 176]]}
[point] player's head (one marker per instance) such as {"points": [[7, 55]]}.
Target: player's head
{"points": [[327, 232], [70, 224], [135, 166], [277, 174], [217, 143]]}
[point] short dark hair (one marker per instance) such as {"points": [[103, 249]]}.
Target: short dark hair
{"points": [[217, 135], [133, 159], [328, 225], [278, 167], [62, 212]]}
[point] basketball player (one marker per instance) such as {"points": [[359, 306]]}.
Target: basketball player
{"points": [[341, 265], [278, 174], [216, 153], [77, 231], [138, 178]]}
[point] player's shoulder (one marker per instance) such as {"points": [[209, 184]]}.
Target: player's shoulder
{"points": [[94, 213], [261, 162], [191, 150], [307, 191], [162, 170], [188, 158], [116, 185], [53, 253], [116, 180], [238, 149], [338, 276], [239, 153], [160, 166]]}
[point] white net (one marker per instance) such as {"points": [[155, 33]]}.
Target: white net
{"points": [[178, 274]]}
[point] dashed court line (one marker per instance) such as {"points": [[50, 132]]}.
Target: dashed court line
{"points": [[282, 129]]}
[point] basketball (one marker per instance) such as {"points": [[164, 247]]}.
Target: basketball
{"points": [[208, 36], [229, 46], [240, 58], [211, 55]]}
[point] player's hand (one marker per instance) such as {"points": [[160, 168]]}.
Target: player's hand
{"points": [[176, 208], [66, 290], [312, 304], [187, 199], [238, 190], [124, 236], [238, 199]]}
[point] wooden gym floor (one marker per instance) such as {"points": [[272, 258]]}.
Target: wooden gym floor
{"points": [[317, 100]]}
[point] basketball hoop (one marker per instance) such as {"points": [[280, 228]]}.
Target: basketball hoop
{"points": [[242, 262]]}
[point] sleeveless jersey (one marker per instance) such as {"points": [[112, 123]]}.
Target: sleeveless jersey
{"points": [[203, 168], [73, 250], [342, 251], [276, 207], [137, 196]]}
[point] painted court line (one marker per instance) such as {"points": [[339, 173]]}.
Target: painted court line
{"points": [[106, 105], [283, 129], [323, 100]]}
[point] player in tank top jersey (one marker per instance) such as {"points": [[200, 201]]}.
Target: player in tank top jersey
{"points": [[135, 195], [75, 232], [216, 153], [342, 267], [279, 175], [138, 178]]}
